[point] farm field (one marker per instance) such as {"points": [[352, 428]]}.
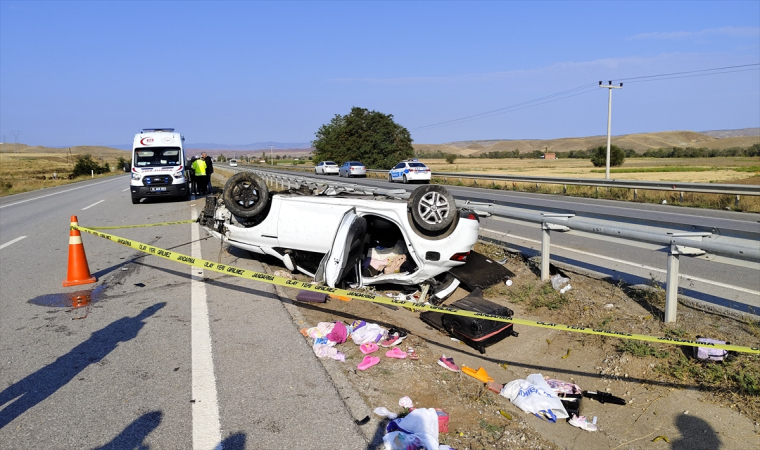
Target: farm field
{"points": [[705, 170], [29, 171]]}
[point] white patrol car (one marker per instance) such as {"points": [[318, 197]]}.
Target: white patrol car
{"points": [[158, 165], [411, 170], [342, 237]]}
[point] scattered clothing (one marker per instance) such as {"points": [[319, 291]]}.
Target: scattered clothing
{"points": [[339, 334], [328, 351], [369, 332], [382, 411], [417, 431]]}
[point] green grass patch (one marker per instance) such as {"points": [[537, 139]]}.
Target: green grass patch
{"points": [[740, 375], [747, 169], [640, 349]]}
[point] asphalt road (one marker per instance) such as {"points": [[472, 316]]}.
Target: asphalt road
{"points": [[714, 281], [165, 356]]}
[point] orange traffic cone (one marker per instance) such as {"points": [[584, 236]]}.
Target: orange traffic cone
{"points": [[79, 271]]}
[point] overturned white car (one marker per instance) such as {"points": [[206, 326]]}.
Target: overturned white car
{"points": [[345, 238]]}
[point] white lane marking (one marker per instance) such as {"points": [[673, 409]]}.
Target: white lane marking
{"points": [[88, 207], [207, 433], [59, 192], [11, 242], [124, 190], [642, 266]]}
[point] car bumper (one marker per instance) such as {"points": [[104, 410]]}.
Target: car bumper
{"points": [[171, 190], [357, 173]]}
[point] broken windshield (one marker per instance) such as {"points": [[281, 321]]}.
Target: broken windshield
{"points": [[157, 157]]}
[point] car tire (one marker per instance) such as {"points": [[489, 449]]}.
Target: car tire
{"points": [[245, 195], [433, 208], [390, 178], [135, 201], [405, 180]]}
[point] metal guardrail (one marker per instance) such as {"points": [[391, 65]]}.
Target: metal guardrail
{"points": [[673, 186], [677, 243]]}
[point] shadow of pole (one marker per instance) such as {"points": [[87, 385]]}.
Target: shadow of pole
{"points": [[133, 436], [35, 388]]}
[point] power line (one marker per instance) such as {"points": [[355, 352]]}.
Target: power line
{"points": [[506, 107], [691, 71], [561, 95]]}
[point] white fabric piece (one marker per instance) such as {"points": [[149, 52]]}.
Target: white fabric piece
{"points": [[422, 427], [533, 395], [370, 332], [405, 402]]}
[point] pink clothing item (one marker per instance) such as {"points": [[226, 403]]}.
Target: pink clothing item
{"points": [[338, 333], [327, 351]]}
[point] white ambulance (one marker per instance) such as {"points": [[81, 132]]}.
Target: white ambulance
{"points": [[158, 165]]}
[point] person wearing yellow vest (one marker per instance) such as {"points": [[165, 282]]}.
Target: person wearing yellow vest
{"points": [[199, 165]]}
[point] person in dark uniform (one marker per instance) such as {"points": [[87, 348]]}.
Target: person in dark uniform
{"points": [[209, 171], [191, 173]]}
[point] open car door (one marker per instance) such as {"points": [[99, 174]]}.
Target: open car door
{"points": [[346, 251]]}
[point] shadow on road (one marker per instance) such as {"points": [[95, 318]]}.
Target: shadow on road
{"points": [[134, 435], [35, 388]]}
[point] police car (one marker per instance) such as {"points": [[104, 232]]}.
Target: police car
{"points": [[407, 171]]}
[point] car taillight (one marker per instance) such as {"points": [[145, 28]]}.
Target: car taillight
{"points": [[460, 256]]}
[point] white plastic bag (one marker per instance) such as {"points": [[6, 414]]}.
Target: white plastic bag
{"points": [[418, 430], [558, 281], [533, 395]]}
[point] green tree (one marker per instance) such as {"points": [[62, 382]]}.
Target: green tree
{"points": [[362, 135], [450, 158], [85, 165], [599, 156]]}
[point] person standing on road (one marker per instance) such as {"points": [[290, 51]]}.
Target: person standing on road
{"points": [[200, 175], [191, 173], [209, 170]]}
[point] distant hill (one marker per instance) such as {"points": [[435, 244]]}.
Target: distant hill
{"points": [[640, 142], [733, 133], [253, 147]]}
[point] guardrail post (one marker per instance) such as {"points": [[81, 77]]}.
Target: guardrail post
{"points": [[736, 202], [564, 189], [680, 197], [545, 252], [635, 194], [671, 288]]}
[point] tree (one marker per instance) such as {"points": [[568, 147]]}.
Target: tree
{"points": [[450, 158], [362, 135], [86, 165], [599, 156]]}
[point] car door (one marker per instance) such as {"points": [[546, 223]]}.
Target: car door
{"points": [[319, 167], [398, 171], [346, 251]]}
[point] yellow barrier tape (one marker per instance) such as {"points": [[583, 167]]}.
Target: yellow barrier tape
{"points": [[281, 281], [177, 222]]}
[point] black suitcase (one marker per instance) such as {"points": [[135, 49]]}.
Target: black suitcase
{"points": [[477, 333]]}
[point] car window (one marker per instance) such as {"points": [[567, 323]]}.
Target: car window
{"points": [[416, 165], [321, 164], [399, 166], [330, 163], [354, 163], [157, 156]]}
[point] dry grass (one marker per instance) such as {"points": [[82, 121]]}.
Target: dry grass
{"points": [[24, 172]]}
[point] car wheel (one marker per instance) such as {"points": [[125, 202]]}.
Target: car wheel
{"points": [[405, 180], [245, 195], [135, 201], [433, 207], [390, 178]]}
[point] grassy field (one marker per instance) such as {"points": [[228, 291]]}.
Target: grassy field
{"points": [[703, 170], [23, 172]]}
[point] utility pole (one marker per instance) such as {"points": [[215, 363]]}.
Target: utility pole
{"points": [[609, 122], [271, 153], [15, 136]]}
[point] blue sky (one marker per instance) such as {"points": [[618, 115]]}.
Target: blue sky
{"points": [[94, 73]]}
